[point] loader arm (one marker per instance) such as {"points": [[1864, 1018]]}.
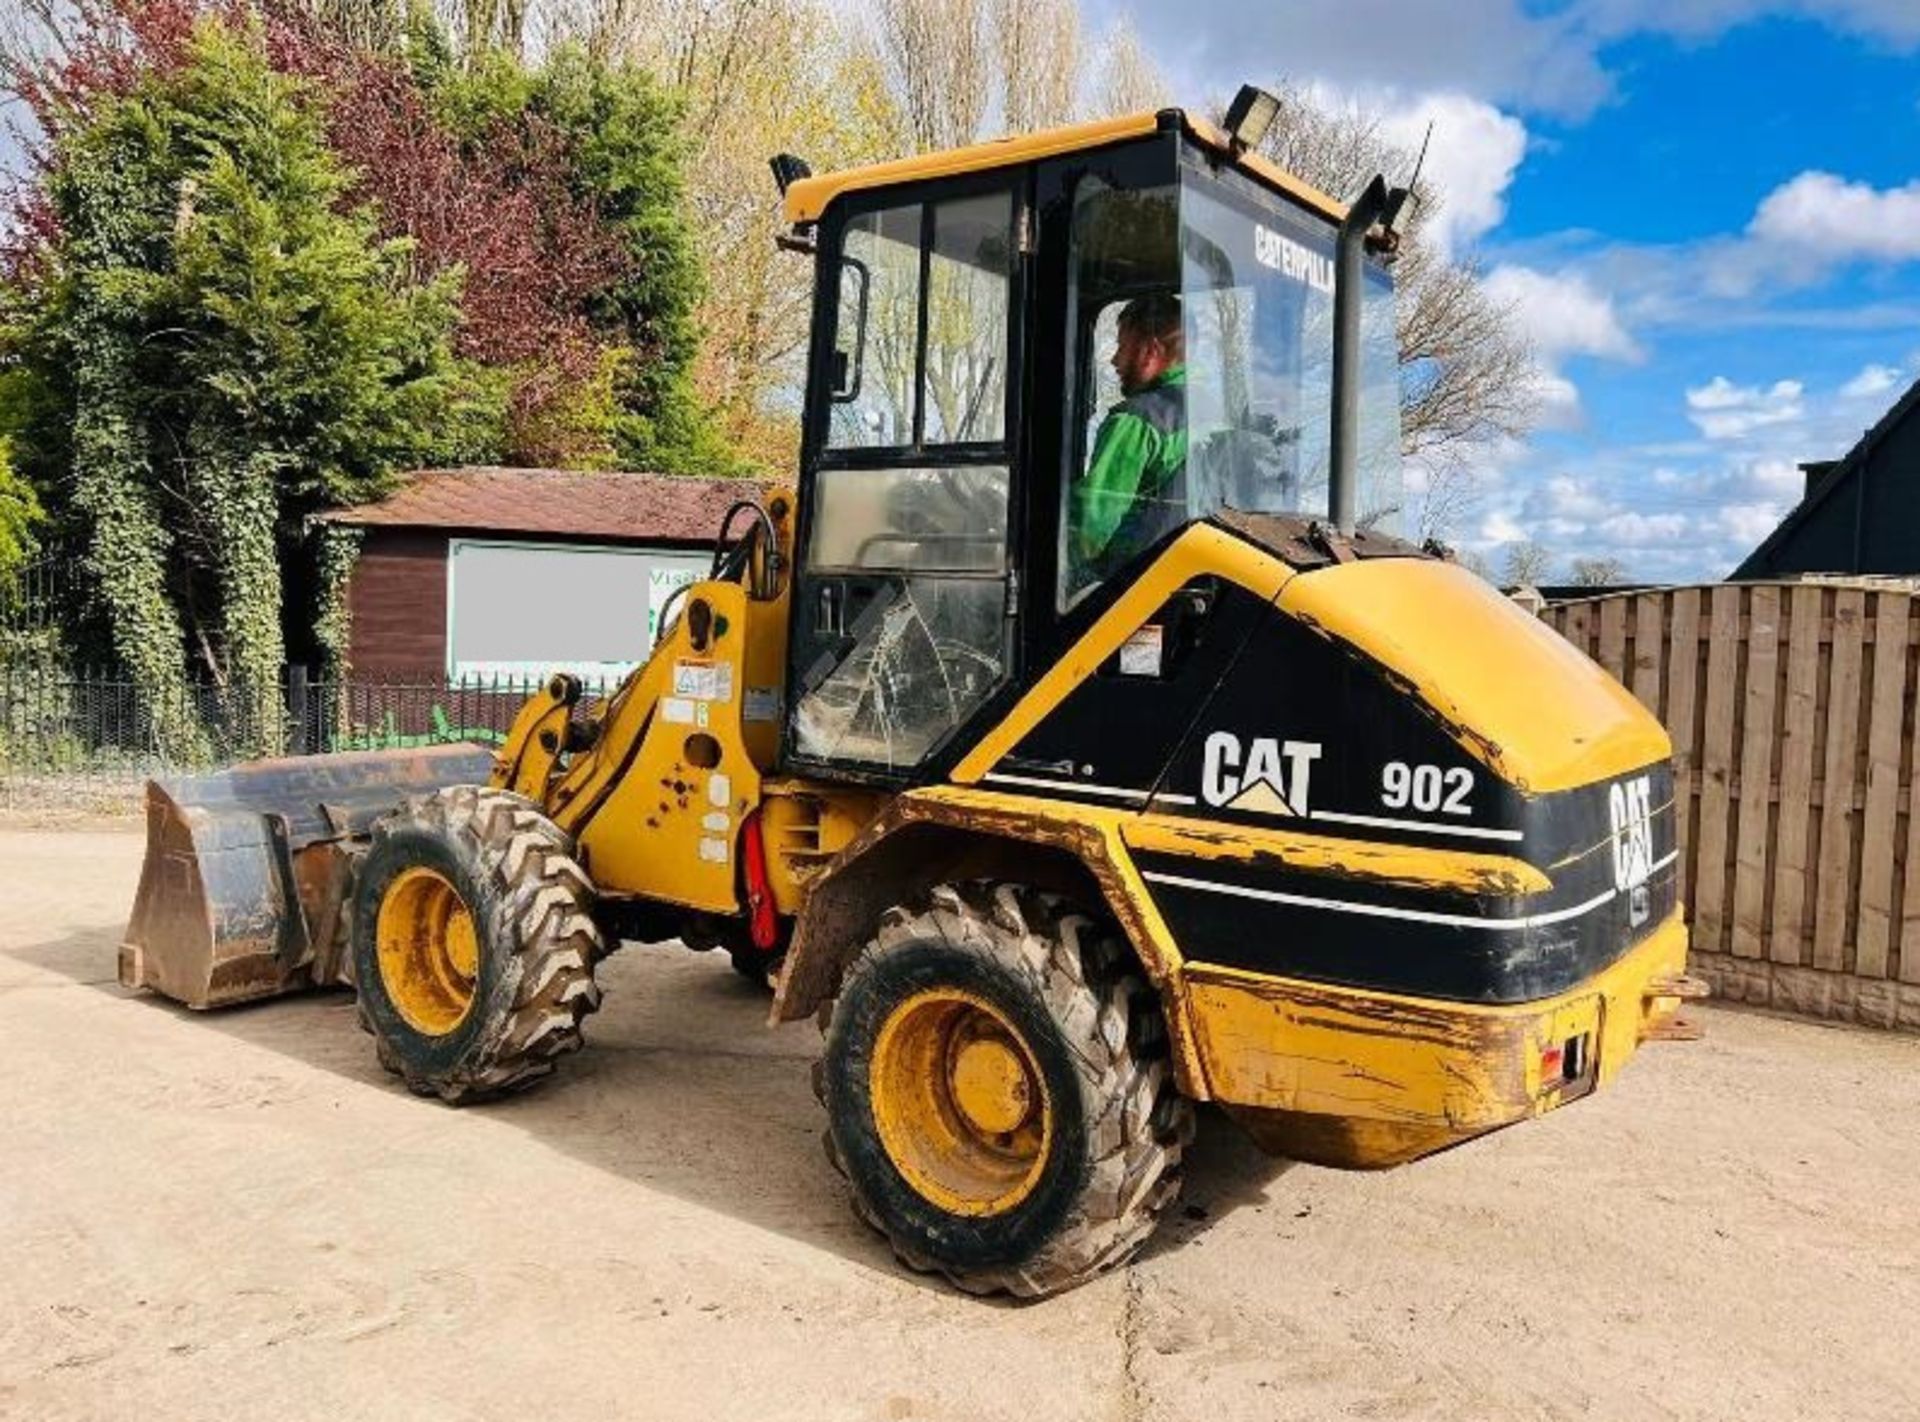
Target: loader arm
{"points": [[657, 784]]}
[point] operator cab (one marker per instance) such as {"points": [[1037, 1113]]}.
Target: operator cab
{"points": [[965, 323]]}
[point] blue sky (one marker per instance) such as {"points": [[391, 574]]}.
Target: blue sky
{"points": [[1706, 213]]}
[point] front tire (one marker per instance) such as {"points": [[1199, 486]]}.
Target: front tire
{"points": [[998, 1093], [473, 944]]}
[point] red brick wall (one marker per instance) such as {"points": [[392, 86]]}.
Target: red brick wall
{"points": [[398, 602]]}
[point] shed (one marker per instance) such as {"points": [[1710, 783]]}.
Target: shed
{"points": [[485, 572], [1859, 514]]}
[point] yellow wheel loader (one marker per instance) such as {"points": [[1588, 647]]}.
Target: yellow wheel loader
{"points": [[1066, 792]]}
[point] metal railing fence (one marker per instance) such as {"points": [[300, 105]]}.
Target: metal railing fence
{"points": [[65, 727]]}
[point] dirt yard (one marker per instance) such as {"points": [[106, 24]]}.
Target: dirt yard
{"points": [[239, 1215]]}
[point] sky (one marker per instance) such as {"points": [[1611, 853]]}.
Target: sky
{"points": [[1705, 214]]}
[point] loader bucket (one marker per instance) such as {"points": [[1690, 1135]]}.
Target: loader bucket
{"points": [[249, 871]]}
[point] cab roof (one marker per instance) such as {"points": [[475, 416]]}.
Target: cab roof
{"points": [[808, 198]]}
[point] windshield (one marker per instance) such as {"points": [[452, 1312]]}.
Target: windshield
{"points": [[1202, 338]]}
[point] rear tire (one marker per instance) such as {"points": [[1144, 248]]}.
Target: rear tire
{"points": [[473, 944], [1050, 1139]]}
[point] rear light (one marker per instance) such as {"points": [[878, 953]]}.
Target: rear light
{"points": [[1563, 1061]]}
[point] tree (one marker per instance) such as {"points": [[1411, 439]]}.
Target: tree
{"points": [[556, 191], [217, 346], [1527, 562], [620, 132], [752, 78], [1466, 370], [1596, 572], [19, 512], [1125, 78], [1039, 51]]}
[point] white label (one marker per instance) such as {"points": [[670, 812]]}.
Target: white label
{"points": [[719, 789], [713, 850], [703, 681], [715, 822], [1140, 654], [1293, 261], [676, 709], [763, 703]]}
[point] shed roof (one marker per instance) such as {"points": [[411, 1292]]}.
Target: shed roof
{"points": [[567, 503], [1759, 563]]}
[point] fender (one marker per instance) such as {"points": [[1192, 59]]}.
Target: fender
{"points": [[926, 836]]}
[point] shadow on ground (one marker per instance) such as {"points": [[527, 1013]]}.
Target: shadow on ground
{"points": [[681, 1087]]}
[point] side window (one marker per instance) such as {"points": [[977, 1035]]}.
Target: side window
{"points": [[1121, 488], [961, 252], [967, 287], [877, 335]]}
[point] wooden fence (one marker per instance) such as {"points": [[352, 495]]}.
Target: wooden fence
{"points": [[1792, 711]]}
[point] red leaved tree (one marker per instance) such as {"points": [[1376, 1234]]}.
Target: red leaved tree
{"points": [[499, 206]]}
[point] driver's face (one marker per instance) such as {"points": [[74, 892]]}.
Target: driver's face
{"points": [[1137, 359]]}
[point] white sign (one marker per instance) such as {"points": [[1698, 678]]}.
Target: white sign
{"points": [[501, 598]]}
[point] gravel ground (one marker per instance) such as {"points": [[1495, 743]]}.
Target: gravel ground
{"points": [[239, 1215]]}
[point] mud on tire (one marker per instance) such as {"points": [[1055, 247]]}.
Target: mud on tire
{"points": [[530, 906], [1073, 991]]}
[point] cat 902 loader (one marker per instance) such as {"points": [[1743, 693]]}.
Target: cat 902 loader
{"points": [[1243, 800]]}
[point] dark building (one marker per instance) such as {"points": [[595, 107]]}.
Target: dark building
{"points": [[518, 572], [1860, 514]]}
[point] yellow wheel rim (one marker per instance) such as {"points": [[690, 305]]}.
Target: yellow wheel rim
{"points": [[429, 952], [960, 1103]]}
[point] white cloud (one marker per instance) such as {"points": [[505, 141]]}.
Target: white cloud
{"points": [[1723, 410], [1874, 381], [1565, 498], [1562, 313], [1748, 524], [1498, 527], [1555, 400], [1475, 152], [1664, 522], [1773, 479], [1516, 53], [1489, 48], [1634, 528], [1828, 217]]}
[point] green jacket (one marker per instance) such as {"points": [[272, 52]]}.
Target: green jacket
{"points": [[1141, 446]]}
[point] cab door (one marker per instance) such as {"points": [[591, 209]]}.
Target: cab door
{"points": [[903, 600]]}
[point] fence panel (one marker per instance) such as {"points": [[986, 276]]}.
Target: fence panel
{"points": [[1792, 710]]}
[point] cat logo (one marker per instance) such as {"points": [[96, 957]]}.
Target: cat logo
{"points": [[1237, 777], [1631, 806]]}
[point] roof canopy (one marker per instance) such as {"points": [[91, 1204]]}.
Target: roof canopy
{"points": [[809, 197], [567, 503]]}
